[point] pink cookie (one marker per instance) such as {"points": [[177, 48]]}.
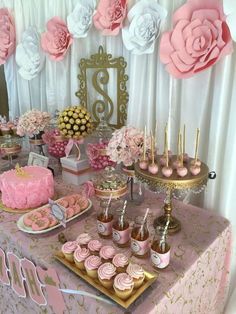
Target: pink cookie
{"points": [[70, 212], [53, 221], [45, 211], [31, 217], [63, 202], [83, 202], [77, 209], [40, 224], [71, 200]]}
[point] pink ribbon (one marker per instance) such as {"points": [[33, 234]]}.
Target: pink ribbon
{"points": [[88, 188], [70, 145]]}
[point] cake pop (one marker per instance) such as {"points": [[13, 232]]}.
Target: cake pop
{"points": [[195, 170], [153, 167], [196, 161], [181, 171], [143, 164], [166, 170], [185, 155]]}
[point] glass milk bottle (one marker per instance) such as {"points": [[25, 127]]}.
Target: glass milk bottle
{"points": [[160, 250], [104, 221], [140, 238], [121, 230]]}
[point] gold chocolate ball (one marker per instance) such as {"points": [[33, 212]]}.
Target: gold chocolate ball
{"points": [[75, 127], [75, 115], [62, 125], [64, 131], [66, 119], [77, 110], [82, 128], [78, 121], [72, 121], [70, 132], [70, 113], [68, 126], [81, 115], [78, 133], [83, 121]]}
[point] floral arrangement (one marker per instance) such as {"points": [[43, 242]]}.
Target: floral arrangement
{"points": [[200, 37], [126, 145], [57, 40], [33, 122], [7, 35]]}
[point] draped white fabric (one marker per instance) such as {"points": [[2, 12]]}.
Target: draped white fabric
{"points": [[206, 100]]}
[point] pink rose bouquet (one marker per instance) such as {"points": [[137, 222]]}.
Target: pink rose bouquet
{"points": [[33, 122], [110, 16], [126, 145], [7, 35], [57, 40], [200, 37]]}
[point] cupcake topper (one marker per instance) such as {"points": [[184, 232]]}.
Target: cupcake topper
{"points": [[108, 205], [122, 214], [144, 143], [20, 172], [162, 243], [184, 139], [197, 144]]}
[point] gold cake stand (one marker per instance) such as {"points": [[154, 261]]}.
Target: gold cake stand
{"points": [[169, 185]]}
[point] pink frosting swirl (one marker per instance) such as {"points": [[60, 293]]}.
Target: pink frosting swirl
{"points": [[123, 281], [83, 238], [107, 252], [81, 254], [69, 247], [92, 262], [94, 245], [120, 260], [135, 271], [106, 271]]}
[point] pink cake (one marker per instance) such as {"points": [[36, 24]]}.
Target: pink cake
{"points": [[29, 189]]}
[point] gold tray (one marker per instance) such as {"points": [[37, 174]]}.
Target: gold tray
{"points": [[149, 279]]}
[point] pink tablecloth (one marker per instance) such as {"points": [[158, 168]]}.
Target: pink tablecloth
{"points": [[196, 280]]}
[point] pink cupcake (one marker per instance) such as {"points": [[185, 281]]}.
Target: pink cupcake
{"points": [[83, 239], [68, 249], [123, 285], [121, 262], [91, 265], [107, 253], [106, 274], [80, 256], [137, 273], [94, 246]]}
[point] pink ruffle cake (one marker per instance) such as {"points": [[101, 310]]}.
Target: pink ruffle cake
{"points": [[30, 190]]}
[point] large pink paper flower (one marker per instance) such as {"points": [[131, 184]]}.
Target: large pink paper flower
{"points": [[57, 40], [200, 37], [110, 16], [7, 35]]}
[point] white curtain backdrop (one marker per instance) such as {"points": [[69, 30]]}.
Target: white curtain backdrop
{"points": [[207, 100]]}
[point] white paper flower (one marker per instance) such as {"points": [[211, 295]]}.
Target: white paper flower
{"points": [[145, 19], [29, 56], [230, 11], [80, 19]]}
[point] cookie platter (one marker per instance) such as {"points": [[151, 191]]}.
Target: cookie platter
{"points": [[148, 281], [42, 214]]}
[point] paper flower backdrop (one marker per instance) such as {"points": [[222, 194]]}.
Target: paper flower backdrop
{"points": [[110, 16], [80, 19], [29, 55], [230, 11], [57, 40], [145, 19], [200, 37], [7, 35]]}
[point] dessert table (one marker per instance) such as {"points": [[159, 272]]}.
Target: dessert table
{"points": [[196, 281]]}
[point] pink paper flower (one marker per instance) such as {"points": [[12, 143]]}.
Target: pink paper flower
{"points": [[110, 16], [57, 40], [7, 35], [200, 37]]}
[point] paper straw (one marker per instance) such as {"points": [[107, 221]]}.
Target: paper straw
{"points": [[142, 226], [108, 205]]}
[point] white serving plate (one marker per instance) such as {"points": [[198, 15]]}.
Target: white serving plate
{"points": [[21, 226]]}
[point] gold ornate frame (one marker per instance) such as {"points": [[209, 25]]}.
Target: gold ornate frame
{"points": [[101, 62]]}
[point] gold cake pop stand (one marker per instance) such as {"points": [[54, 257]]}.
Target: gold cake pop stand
{"points": [[169, 185]]}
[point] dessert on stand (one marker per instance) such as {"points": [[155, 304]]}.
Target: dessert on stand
{"points": [[174, 175]]}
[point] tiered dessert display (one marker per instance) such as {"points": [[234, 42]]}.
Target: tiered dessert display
{"points": [[168, 173]]}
